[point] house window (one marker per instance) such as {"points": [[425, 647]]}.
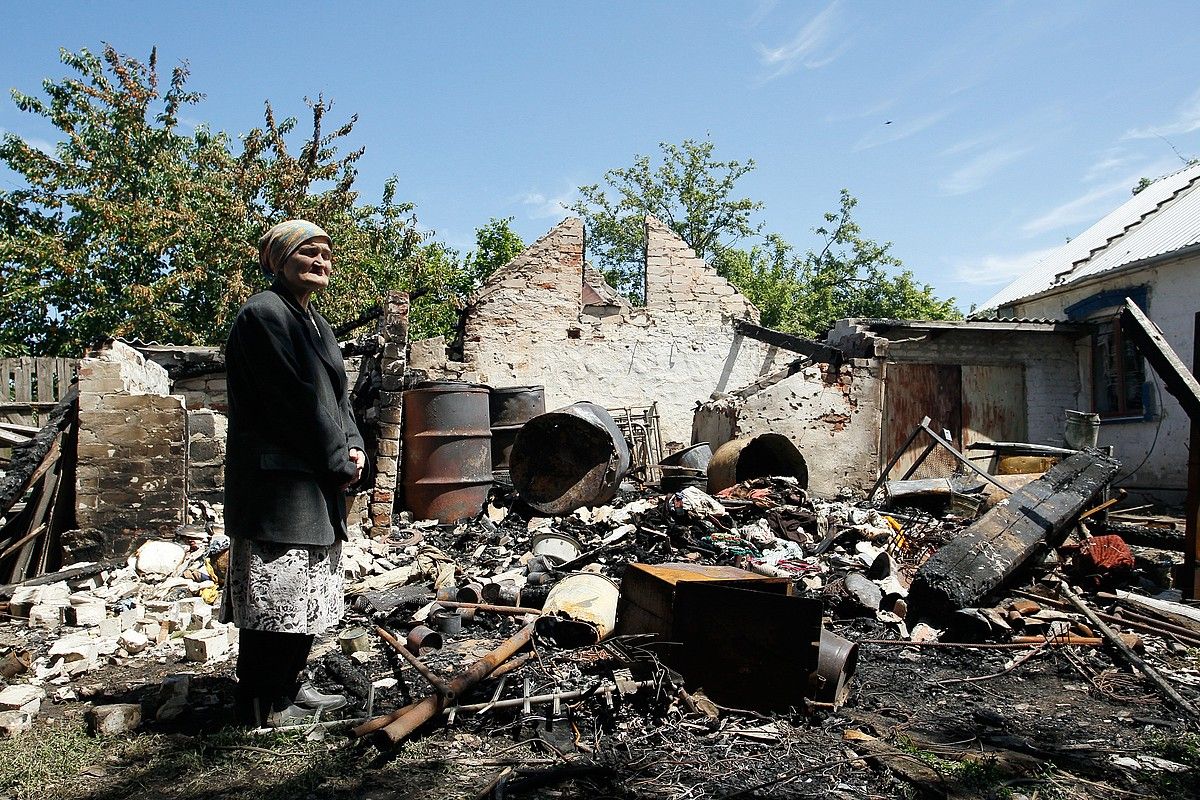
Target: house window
{"points": [[1118, 372]]}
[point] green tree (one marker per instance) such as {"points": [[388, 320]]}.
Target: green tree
{"points": [[849, 276], [495, 245], [689, 190], [131, 227]]}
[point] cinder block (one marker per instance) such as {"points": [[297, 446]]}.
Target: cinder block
{"points": [[205, 645]]}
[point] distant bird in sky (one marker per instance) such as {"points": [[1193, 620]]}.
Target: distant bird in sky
{"points": [[889, 122]]}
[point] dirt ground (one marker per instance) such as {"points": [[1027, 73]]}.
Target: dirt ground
{"points": [[921, 721]]}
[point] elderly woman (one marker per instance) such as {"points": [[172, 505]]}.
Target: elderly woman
{"points": [[292, 451]]}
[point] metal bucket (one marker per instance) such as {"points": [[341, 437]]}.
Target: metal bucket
{"points": [[510, 408], [836, 662], [676, 479], [695, 457], [1083, 430], [447, 451], [555, 548], [765, 455], [580, 610], [569, 458]]}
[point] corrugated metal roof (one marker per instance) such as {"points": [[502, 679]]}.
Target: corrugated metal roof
{"points": [[1160, 219]]}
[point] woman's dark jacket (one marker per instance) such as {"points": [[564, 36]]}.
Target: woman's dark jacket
{"points": [[290, 425]]}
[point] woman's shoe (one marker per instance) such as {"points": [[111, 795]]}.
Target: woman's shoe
{"points": [[308, 697]]}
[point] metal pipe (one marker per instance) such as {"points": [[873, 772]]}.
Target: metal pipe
{"points": [[538, 699], [1130, 656], [514, 611], [425, 710], [437, 683]]}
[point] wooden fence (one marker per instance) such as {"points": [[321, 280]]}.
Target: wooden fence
{"points": [[30, 387]]}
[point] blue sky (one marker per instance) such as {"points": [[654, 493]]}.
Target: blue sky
{"points": [[975, 135]]}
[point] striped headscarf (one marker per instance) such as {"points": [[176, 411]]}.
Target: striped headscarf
{"points": [[277, 245]]}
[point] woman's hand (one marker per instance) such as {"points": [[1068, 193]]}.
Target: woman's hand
{"points": [[360, 463]]}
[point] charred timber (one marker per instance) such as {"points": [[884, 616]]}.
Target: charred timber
{"points": [[981, 560], [797, 344]]}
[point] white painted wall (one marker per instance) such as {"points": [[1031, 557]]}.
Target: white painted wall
{"points": [[1162, 442]]}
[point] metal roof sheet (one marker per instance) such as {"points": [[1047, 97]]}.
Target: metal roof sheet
{"points": [[1162, 218]]}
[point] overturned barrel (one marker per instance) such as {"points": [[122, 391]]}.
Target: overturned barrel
{"points": [[768, 454], [569, 458], [510, 408], [447, 450]]}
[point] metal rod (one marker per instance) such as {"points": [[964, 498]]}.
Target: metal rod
{"points": [[515, 611], [961, 458], [437, 683], [1130, 656], [912, 437], [540, 699]]}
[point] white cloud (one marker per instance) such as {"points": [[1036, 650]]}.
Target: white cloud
{"points": [[542, 206], [808, 47], [761, 12], [1187, 119], [997, 270], [886, 134], [972, 175], [1109, 161]]}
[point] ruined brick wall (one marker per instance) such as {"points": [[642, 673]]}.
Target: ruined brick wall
{"points": [[527, 326], [133, 445], [392, 364], [832, 414]]}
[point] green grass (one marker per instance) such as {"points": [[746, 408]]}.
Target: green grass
{"points": [[32, 764]]}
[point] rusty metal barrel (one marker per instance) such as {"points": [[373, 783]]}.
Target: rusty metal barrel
{"points": [[447, 450], [510, 408], [755, 457], [569, 458]]}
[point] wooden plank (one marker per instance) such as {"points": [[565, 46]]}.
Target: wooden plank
{"points": [[13, 427], [993, 403], [6, 370], [911, 392], [8, 439], [1176, 377], [22, 377], [44, 368], [979, 561], [38, 523]]}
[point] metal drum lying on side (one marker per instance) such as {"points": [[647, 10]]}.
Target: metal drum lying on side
{"points": [[569, 458], [510, 408], [447, 451], [768, 454]]}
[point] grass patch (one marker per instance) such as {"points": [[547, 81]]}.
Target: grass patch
{"points": [[33, 764]]}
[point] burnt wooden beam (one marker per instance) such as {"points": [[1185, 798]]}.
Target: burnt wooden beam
{"points": [[374, 312], [797, 344], [969, 568], [1176, 377]]}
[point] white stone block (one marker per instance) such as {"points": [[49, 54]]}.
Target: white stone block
{"points": [[205, 645], [74, 647], [115, 719], [133, 641], [157, 559], [22, 697], [45, 616], [84, 616], [14, 723]]}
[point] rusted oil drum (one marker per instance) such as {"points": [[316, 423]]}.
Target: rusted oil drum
{"points": [[510, 408], [767, 454], [569, 458], [447, 451]]}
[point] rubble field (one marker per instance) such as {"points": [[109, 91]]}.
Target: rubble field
{"points": [[119, 677]]}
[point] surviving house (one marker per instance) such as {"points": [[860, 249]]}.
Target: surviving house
{"points": [[1148, 250]]}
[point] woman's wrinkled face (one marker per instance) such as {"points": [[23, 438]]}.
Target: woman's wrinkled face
{"points": [[308, 269]]}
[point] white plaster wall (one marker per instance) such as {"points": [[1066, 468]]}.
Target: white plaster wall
{"points": [[834, 420], [1174, 299], [526, 326]]}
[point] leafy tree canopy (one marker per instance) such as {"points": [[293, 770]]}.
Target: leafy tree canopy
{"points": [[850, 276], [689, 190], [696, 195], [133, 227]]}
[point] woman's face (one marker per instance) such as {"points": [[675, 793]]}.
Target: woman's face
{"points": [[307, 270]]}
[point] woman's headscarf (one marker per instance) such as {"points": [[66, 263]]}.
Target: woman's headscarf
{"points": [[277, 245]]}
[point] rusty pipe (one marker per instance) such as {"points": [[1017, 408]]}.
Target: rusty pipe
{"points": [[428, 708], [515, 611], [372, 725], [437, 683]]}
